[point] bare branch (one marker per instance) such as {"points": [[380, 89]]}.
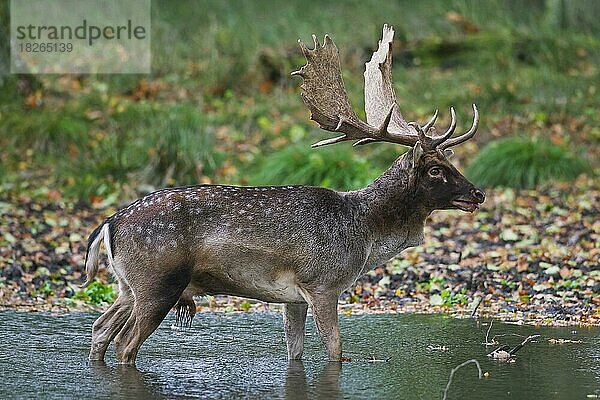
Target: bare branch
{"points": [[505, 353], [487, 334], [456, 369], [523, 343]]}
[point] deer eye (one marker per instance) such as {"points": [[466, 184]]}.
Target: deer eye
{"points": [[435, 172]]}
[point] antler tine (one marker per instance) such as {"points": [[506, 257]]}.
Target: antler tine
{"points": [[384, 134], [305, 51], [466, 136], [449, 132], [333, 140], [420, 131], [431, 122], [383, 131]]}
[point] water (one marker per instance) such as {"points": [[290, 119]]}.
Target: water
{"points": [[223, 356]]}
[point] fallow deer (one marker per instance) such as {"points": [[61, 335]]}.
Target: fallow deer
{"points": [[297, 245]]}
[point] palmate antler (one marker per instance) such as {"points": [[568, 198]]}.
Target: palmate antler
{"points": [[324, 94]]}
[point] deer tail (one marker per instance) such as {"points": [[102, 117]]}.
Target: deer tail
{"points": [[101, 233]]}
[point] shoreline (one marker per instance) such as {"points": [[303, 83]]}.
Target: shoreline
{"points": [[228, 304]]}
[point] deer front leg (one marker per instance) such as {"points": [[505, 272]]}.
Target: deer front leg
{"points": [[324, 308], [294, 318]]}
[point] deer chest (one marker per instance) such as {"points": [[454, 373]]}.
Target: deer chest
{"points": [[386, 247]]}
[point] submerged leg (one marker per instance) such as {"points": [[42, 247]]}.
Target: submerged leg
{"points": [[143, 321], [296, 387], [294, 319]]}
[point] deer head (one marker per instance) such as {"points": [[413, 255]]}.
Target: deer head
{"points": [[433, 179]]}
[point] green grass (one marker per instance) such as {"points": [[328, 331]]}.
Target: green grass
{"points": [[333, 167], [226, 106], [524, 162]]}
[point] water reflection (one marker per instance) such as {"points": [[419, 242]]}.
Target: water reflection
{"points": [[126, 381], [43, 356], [327, 385]]}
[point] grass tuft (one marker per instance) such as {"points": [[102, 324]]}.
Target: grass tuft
{"points": [[523, 162], [339, 167]]}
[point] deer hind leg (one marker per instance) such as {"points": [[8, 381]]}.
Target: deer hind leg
{"points": [[108, 325], [153, 301], [294, 319]]}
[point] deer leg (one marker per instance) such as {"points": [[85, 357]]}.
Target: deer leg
{"points": [[294, 318], [107, 326], [324, 309], [152, 304], [125, 336], [143, 321], [105, 330]]}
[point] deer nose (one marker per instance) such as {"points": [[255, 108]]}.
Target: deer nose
{"points": [[478, 194]]}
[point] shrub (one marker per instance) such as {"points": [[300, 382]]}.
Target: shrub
{"points": [[522, 162]]}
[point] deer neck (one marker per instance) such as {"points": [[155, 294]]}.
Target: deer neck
{"points": [[390, 204]]}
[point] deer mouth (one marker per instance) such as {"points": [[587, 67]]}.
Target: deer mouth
{"points": [[466, 205]]}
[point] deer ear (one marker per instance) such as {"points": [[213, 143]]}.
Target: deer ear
{"points": [[417, 153], [449, 153]]}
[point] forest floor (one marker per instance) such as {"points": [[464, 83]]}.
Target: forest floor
{"points": [[526, 256]]}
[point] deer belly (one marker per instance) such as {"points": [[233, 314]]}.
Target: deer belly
{"points": [[276, 288]]}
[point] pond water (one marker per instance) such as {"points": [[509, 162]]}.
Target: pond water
{"points": [[44, 356]]}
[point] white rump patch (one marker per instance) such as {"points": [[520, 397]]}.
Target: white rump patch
{"points": [[106, 233]]}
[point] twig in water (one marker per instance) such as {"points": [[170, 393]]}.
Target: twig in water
{"points": [[563, 341], [505, 353], [372, 359], [523, 343], [441, 348], [487, 334], [505, 334], [456, 369]]}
